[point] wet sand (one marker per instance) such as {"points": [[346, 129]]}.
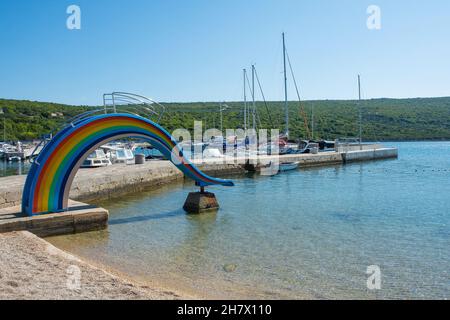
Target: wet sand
{"points": [[32, 268]]}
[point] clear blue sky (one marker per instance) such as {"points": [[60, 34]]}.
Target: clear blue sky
{"points": [[195, 50]]}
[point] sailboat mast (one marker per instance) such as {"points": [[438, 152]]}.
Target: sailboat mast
{"points": [[4, 124], [253, 97], [312, 121], [359, 111], [245, 101], [286, 110]]}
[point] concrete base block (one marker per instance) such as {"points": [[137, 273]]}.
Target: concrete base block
{"points": [[79, 218], [198, 202]]}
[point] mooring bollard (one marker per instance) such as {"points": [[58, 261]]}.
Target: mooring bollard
{"points": [[139, 159]]}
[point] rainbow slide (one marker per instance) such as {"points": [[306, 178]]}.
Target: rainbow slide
{"points": [[51, 175]]}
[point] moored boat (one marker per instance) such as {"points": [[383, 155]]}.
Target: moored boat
{"points": [[123, 155], [269, 169], [287, 166], [96, 159], [14, 158]]}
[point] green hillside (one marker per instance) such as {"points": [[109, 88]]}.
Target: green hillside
{"points": [[383, 119]]}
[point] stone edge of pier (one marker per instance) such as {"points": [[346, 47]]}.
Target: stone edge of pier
{"points": [[80, 217]]}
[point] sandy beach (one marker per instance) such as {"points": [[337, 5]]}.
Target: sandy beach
{"points": [[32, 268]]}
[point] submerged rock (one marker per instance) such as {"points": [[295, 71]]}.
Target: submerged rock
{"points": [[229, 267]]}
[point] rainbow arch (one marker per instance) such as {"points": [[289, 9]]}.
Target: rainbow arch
{"points": [[51, 175]]}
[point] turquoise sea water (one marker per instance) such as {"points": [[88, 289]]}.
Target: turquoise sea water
{"points": [[308, 233]]}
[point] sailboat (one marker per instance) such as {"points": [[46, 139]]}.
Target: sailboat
{"points": [[287, 147], [307, 145]]}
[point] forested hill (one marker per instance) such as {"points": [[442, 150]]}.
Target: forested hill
{"points": [[383, 119]]}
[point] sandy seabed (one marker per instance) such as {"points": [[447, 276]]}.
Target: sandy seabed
{"points": [[32, 268]]}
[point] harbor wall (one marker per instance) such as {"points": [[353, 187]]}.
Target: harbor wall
{"points": [[343, 147], [80, 218], [367, 155], [116, 180]]}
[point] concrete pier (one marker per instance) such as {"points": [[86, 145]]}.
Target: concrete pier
{"points": [[367, 155]]}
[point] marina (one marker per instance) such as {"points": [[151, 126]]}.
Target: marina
{"points": [[232, 151]]}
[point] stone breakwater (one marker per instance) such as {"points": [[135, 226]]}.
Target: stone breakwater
{"points": [[108, 182]]}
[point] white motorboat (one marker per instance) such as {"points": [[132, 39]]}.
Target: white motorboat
{"points": [[287, 166], [12, 153], [2, 149], [212, 153], [6, 148], [14, 159], [118, 153], [273, 168], [270, 169], [123, 155], [96, 159]]}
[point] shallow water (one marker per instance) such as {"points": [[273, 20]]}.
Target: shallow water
{"points": [[308, 233]]}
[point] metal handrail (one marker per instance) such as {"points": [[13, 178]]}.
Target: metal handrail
{"points": [[82, 116], [134, 101], [35, 149]]}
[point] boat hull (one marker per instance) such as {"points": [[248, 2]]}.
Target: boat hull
{"points": [[289, 166]]}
